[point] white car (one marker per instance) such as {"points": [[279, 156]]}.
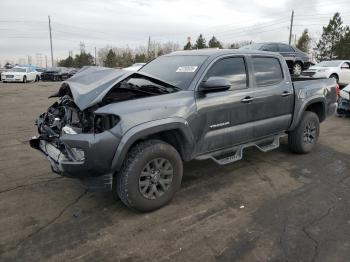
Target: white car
{"points": [[20, 74], [338, 69], [134, 67]]}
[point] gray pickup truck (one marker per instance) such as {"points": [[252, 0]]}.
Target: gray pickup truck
{"points": [[130, 132]]}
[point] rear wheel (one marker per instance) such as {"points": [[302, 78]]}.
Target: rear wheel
{"points": [[37, 78], [304, 137], [297, 69], [150, 176]]}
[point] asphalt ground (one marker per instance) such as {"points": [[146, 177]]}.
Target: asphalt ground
{"points": [[274, 206]]}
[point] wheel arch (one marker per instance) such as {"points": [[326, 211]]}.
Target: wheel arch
{"points": [[334, 74], [316, 105], [174, 131]]}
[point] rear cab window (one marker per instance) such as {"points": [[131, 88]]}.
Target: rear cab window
{"points": [[232, 68], [267, 71]]}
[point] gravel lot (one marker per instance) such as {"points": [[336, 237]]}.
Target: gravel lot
{"points": [[275, 206]]}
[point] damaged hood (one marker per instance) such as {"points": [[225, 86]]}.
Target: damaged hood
{"points": [[91, 84]]}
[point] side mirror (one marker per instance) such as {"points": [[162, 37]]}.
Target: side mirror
{"points": [[215, 84]]}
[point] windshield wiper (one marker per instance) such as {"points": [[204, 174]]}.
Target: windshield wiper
{"points": [[162, 89], [159, 80], [134, 88]]}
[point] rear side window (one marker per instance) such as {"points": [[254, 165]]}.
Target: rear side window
{"points": [[233, 69], [270, 47], [285, 48], [267, 71]]}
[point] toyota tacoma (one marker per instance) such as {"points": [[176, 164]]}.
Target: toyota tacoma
{"points": [[130, 132]]}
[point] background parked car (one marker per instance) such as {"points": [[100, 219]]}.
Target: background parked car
{"points": [[40, 71], [72, 72], [55, 74], [2, 70], [343, 108], [296, 59], [338, 69], [20, 74]]}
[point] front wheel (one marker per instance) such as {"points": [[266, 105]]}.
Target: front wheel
{"points": [[304, 137], [150, 176], [24, 79]]}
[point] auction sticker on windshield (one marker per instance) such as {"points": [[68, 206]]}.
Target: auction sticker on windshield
{"points": [[186, 69]]}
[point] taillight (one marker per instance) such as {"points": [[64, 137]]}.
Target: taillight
{"points": [[104, 122], [337, 89]]}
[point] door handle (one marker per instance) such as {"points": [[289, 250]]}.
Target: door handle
{"points": [[286, 93], [247, 99]]}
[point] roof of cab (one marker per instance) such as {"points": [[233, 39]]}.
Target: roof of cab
{"points": [[218, 52]]}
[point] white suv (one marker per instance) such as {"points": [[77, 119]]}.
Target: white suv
{"points": [[338, 69]]}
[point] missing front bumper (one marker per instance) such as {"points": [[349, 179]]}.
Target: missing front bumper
{"points": [[64, 166]]}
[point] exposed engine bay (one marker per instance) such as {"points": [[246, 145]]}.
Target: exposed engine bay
{"points": [[65, 117]]}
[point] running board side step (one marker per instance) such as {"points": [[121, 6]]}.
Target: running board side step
{"points": [[230, 155]]}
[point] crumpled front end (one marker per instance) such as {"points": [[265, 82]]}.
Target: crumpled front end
{"points": [[78, 144]]}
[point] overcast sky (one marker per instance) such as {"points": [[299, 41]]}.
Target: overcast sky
{"points": [[24, 23]]}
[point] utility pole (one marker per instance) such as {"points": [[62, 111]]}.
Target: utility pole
{"points": [[95, 56], [148, 46], [291, 27], [45, 61], [51, 41]]}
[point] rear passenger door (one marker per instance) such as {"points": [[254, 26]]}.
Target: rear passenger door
{"points": [[273, 97], [31, 74]]}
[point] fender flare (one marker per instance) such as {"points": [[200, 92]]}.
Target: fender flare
{"points": [[304, 105], [149, 128]]}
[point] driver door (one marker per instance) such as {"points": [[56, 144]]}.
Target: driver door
{"points": [[221, 116]]}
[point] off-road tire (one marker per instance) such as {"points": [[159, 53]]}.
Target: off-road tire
{"points": [[296, 138], [126, 182]]}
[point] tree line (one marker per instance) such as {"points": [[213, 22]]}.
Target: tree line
{"points": [[333, 43]]}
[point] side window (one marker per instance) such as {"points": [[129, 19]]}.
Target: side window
{"points": [[285, 48], [345, 66], [270, 47], [231, 68], [267, 71]]}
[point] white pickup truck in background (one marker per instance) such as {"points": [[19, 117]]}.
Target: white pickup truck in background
{"points": [[338, 69]]}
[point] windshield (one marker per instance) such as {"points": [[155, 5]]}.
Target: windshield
{"points": [[252, 47], [328, 64], [18, 69], [175, 70]]}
